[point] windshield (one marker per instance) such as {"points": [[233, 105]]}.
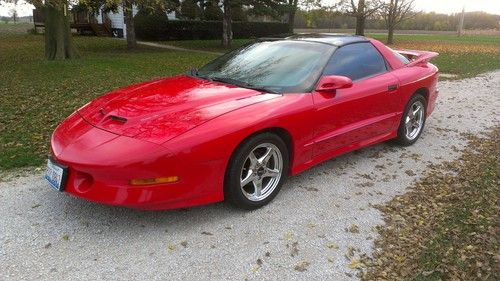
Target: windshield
{"points": [[279, 66]]}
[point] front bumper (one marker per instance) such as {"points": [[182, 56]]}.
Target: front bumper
{"points": [[101, 165], [154, 197]]}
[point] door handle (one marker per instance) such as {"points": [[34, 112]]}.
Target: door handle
{"points": [[392, 88]]}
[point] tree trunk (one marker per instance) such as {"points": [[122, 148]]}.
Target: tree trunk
{"points": [[360, 25], [360, 18], [461, 23], [291, 14], [58, 41], [291, 21], [227, 28], [128, 18], [390, 35], [202, 9]]}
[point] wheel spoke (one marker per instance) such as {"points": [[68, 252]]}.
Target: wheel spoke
{"points": [[257, 184], [250, 176], [411, 114], [271, 173], [253, 159], [416, 111], [265, 158], [409, 128]]}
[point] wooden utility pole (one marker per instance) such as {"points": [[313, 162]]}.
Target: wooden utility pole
{"points": [[461, 22]]}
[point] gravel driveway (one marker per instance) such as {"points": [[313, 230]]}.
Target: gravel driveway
{"points": [[321, 220]]}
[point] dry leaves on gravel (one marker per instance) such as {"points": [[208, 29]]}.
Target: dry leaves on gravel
{"points": [[448, 226]]}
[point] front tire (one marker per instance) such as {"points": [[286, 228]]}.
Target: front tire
{"points": [[256, 171], [413, 121]]}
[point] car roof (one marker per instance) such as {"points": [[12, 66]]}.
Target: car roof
{"points": [[335, 39]]}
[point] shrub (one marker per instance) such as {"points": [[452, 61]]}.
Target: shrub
{"points": [[149, 23], [151, 28], [190, 10], [212, 10]]}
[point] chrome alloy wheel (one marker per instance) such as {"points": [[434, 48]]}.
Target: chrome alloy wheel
{"points": [[261, 172], [414, 120]]}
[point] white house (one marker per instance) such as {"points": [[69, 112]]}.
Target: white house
{"points": [[117, 23]]}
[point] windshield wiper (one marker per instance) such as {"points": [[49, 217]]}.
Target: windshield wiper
{"points": [[262, 89], [229, 81], [244, 84]]}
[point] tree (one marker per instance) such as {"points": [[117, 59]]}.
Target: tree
{"points": [[13, 11], [58, 41], [274, 8], [238, 13], [291, 10], [227, 25], [227, 18], [13, 14], [190, 9], [395, 12], [202, 9], [309, 5], [153, 6], [361, 11], [212, 10], [128, 20]]}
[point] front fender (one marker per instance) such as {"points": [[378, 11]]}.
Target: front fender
{"points": [[210, 145]]}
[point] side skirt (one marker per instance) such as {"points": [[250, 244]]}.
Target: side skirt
{"points": [[342, 150]]}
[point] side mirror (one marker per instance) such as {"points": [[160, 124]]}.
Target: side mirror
{"points": [[333, 82]]}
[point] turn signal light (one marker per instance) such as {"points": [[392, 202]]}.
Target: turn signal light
{"points": [[160, 180]]}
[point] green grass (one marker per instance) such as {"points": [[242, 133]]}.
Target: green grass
{"points": [[465, 56], [440, 38], [467, 224], [207, 45], [35, 94], [19, 27]]}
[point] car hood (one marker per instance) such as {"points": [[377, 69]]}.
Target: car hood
{"points": [[160, 110]]}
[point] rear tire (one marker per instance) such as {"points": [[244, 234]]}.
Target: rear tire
{"points": [[256, 171], [413, 121]]}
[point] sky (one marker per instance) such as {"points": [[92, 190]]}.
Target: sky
{"points": [[439, 6]]}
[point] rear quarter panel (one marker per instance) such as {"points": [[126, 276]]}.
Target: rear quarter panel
{"points": [[413, 78]]}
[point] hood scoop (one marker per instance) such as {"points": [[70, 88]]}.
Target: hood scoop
{"points": [[111, 117], [118, 118]]}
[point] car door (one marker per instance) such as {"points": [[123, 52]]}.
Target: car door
{"points": [[363, 112]]}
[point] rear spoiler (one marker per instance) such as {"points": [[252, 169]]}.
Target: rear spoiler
{"points": [[417, 57]]}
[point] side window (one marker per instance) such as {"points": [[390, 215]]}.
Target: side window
{"points": [[356, 61]]}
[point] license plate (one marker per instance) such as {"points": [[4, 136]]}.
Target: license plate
{"points": [[56, 175]]}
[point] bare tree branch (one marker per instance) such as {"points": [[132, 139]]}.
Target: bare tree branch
{"points": [[394, 12]]}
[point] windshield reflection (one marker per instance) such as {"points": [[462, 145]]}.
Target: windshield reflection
{"points": [[280, 66]]}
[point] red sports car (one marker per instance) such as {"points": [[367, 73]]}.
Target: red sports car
{"points": [[236, 128]]}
